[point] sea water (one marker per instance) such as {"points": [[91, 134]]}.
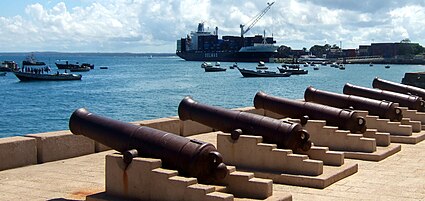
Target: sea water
{"points": [[136, 87]]}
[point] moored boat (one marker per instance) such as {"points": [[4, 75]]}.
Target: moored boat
{"points": [[80, 69], [262, 66], [9, 66], [293, 71], [262, 73], [24, 76], [387, 66], [215, 68], [64, 64], [30, 60]]}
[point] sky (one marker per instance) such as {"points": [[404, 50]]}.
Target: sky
{"points": [[153, 26]]}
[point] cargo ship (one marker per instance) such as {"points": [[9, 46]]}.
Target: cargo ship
{"points": [[202, 45]]}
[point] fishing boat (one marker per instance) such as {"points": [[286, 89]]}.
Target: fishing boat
{"points": [[335, 65], [341, 67], [24, 76], [315, 67], [30, 60], [235, 65], [262, 66], [293, 71], [206, 64], [215, 68], [9, 66], [65, 64], [387, 66], [262, 73]]}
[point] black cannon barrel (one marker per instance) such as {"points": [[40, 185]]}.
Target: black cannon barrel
{"points": [[410, 101], [397, 87], [344, 119], [284, 134], [190, 157], [383, 109]]}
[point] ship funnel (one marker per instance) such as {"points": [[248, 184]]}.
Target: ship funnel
{"points": [[201, 27], [216, 31]]}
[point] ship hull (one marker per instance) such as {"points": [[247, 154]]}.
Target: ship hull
{"points": [[226, 56]]}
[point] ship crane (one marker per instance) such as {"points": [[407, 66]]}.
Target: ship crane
{"points": [[255, 19]]}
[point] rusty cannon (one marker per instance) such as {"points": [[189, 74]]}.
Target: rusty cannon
{"points": [[383, 109], [397, 87], [343, 119], [285, 135], [404, 100], [189, 157]]}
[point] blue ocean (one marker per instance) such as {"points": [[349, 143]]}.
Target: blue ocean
{"points": [[136, 87]]}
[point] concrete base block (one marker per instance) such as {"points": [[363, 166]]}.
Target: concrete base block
{"points": [[416, 125], [249, 152], [382, 139], [338, 140], [413, 139], [331, 174], [144, 179], [17, 152], [169, 124], [413, 114], [380, 153], [385, 125], [334, 158], [189, 127], [99, 147], [53, 146]]}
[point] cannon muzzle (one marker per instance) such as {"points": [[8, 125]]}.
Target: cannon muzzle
{"points": [[190, 157], [284, 134], [397, 87], [344, 119], [404, 100], [383, 109]]}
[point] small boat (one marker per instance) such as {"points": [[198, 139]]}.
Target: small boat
{"points": [[68, 65], [371, 64], [2, 73], [103, 67], [335, 65], [80, 69], [292, 66], [235, 65], [9, 66], [215, 68], [30, 60], [262, 66], [387, 66], [306, 64], [341, 67], [24, 76], [206, 64], [262, 73], [316, 67], [293, 71]]}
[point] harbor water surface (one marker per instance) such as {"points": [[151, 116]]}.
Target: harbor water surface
{"points": [[136, 87]]}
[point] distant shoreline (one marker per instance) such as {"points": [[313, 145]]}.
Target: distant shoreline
{"points": [[92, 53]]}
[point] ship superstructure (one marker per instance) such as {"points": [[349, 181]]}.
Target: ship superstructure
{"points": [[202, 45]]}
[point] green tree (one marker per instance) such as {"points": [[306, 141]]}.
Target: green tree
{"points": [[283, 51]]}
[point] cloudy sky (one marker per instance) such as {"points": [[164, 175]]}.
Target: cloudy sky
{"points": [[142, 26]]}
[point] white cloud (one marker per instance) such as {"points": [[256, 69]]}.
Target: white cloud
{"points": [[154, 25]]}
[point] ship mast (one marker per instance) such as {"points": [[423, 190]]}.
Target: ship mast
{"points": [[255, 19]]}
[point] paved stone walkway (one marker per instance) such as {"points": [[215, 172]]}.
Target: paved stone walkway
{"points": [[399, 177]]}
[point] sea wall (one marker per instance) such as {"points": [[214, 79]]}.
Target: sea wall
{"points": [[58, 145]]}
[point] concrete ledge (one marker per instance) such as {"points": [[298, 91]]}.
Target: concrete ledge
{"points": [[380, 153], [413, 139], [168, 124], [17, 152], [60, 145]]}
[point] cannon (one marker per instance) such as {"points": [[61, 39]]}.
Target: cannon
{"points": [[404, 100], [383, 109], [189, 157], [397, 87], [285, 135], [344, 119]]}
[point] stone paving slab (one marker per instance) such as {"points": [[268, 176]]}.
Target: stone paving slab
{"points": [[398, 177]]}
